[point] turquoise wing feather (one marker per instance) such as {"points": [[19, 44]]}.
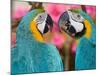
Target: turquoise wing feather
{"points": [[31, 56], [85, 55]]}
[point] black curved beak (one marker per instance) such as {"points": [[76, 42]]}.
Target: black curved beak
{"points": [[64, 18], [65, 24], [49, 24]]}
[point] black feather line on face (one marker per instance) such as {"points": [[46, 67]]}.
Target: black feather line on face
{"points": [[49, 23], [46, 29]]}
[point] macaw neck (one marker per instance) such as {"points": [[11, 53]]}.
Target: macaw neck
{"points": [[23, 34], [90, 31], [30, 32], [90, 28]]}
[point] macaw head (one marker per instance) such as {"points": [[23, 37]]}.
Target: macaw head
{"points": [[40, 25], [72, 23]]}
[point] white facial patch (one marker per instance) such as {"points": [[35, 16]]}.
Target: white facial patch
{"points": [[41, 21], [77, 25], [77, 17]]}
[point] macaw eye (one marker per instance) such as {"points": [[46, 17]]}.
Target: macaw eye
{"points": [[41, 18], [77, 17]]}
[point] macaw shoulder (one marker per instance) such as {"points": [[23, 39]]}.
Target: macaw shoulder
{"points": [[50, 48], [84, 42], [86, 46], [49, 51], [86, 54]]}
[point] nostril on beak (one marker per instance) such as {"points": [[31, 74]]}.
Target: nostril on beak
{"points": [[64, 28]]}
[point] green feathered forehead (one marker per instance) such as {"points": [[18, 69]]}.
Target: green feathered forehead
{"points": [[80, 11], [75, 10], [39, 11], [35, 12]]}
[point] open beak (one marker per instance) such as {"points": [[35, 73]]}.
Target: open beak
{"points": [[68, 29]]}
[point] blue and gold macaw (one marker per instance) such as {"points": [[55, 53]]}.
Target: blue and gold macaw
{"points": [[79, 25], [31, 54]]}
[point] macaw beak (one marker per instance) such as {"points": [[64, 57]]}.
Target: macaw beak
{"points": [[65, 25]]}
